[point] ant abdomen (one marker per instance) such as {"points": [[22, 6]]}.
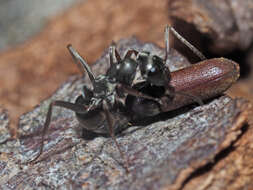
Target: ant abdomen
{"points": [[140, 107], [95, 120]]}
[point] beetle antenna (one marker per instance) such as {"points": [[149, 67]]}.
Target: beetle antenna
{"points": [[77, 57], [184, 41], [167, 45]]}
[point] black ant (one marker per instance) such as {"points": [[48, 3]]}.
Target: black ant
{"points": [[111, 103]]}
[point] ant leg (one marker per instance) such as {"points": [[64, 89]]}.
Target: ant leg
{"points": [[167, 45], [194, 98], [130, 53], [74, 107], [117, 55], [134, 92], [185, 42], [169, 95], [113, 50], [111, 124], [170, 91]]}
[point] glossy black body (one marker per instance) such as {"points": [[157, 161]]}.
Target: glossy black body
{"points": [[95, 119]]}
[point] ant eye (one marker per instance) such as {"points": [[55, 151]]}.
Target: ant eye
{"points": [[152, 71], [149, 70]]}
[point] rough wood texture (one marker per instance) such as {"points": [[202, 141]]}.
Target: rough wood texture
{"points": [[162, 155], [4, 122], [227, 24], [233, 169]]}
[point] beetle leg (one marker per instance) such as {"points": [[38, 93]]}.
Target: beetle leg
{"points": [[111, 124], [78, 108]]}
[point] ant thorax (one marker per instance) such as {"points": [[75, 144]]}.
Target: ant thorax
{"points": [[138, 77], [104, 89]]}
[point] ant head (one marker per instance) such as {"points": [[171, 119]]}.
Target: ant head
{"points": [[152, 68], [101, 85], [123, 70]]}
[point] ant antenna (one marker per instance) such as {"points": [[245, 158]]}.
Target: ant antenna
{"points": [[79, 58], [111, 53], [167, 45], [184, 41]]}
